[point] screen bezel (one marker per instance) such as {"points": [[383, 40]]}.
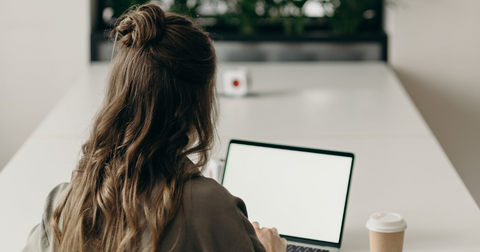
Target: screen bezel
{"points": [[303, 149]]}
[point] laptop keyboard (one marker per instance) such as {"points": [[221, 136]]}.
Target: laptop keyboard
{"points": [[295, 248]]}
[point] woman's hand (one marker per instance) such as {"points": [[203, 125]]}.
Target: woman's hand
{"points": [[270, 239]]}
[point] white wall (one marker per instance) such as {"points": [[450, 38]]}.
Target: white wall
{"points": [[44, 47], [435, 50]]}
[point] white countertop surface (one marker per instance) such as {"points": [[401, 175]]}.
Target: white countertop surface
{"points": [[355, 107]]}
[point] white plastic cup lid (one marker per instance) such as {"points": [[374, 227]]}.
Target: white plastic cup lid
{"points": [[385, 222]]}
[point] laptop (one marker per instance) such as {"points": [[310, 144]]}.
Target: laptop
{"points": [[302, 192]]}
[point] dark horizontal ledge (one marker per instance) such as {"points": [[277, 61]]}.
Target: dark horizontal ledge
{"points": [[313, 36]]}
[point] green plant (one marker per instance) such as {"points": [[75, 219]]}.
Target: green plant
{"points": [[344, 16], [348, 15], [120, 6], [249, 14]]}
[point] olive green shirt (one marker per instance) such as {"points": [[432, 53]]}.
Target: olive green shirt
{"points": [[214, 220]]}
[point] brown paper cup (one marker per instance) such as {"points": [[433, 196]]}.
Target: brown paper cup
{"points": [[386, 242], [386, 232]]}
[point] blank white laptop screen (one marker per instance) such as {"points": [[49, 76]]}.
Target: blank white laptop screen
{"points": [[302, 194]]}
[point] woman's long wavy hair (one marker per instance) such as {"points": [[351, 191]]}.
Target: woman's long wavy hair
{"points": [[159, 108]]}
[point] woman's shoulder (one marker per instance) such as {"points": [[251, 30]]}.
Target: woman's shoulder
{"points": [[40, 237], [207, 193], [55, 196], [53, 199], [202, 187], [217, 219]]}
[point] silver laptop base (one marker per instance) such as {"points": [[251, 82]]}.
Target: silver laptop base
{"points": [[331, 249]]}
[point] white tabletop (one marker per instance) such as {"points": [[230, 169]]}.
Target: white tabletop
{"points": [[355, 107]]}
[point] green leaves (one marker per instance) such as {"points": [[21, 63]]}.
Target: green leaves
{"points": [[120, 6], [249, 16], [348, 14]]}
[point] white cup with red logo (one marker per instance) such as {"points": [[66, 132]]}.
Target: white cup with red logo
{"points": [[235, 81]]}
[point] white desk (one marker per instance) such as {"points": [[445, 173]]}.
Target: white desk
{"points": [[356, 107]]}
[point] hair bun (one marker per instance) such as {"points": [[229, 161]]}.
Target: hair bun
{"points": [[142, 25]]}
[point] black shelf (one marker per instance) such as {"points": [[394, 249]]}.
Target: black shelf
{"points": [[379, 37]]}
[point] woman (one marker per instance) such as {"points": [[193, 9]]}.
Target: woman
{"points": [[135, 188]]}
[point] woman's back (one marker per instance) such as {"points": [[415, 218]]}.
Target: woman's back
{"points": [[211, 220], [158, 110]]}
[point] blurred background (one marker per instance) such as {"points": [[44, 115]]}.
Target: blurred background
{"points": [[432, 45]]}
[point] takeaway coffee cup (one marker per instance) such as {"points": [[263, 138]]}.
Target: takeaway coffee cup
{"points": [[386, 232]]}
